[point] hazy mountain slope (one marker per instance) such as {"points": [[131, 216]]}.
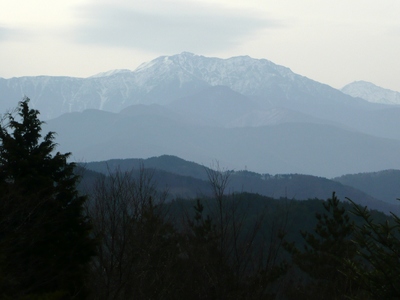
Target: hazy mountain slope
{"points": [[277, 115], [382, 183], [156, 110], [216, 105], [221, 106], [383, 122], [314, 149], [371, 92]]}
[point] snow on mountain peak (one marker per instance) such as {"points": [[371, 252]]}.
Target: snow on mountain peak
{"points": [[241, 73], [111, 73], [372, 93]]}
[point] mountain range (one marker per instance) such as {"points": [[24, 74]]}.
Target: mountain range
{"points": [[246, 113], [188, 180]]}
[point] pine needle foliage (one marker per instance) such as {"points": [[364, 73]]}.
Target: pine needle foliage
{"points": [[44, 237]]}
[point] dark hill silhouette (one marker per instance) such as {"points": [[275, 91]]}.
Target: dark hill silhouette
{"points": [[188, 179], [384, 183]]}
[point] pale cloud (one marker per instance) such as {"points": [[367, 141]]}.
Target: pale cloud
{"points": [[170, 27]]}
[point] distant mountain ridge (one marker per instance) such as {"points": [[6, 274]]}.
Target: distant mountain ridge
{"points": [[371, 92]]}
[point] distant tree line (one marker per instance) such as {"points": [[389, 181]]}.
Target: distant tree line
{"points": [[125, 241]]}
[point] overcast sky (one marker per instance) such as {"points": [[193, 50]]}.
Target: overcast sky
{"points": [[333, 42]]}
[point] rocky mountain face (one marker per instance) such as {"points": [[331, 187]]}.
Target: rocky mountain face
{"points": [[372, 93], [244, 112]]}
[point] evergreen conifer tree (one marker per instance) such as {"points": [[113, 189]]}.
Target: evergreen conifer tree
{"points": [[44, 237], [379, 246], [326, 254]]}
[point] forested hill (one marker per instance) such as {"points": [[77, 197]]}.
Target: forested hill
{"points": [[383, 185], [188, 180]]}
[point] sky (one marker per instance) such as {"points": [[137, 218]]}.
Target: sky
{"points": [[333, 42]]}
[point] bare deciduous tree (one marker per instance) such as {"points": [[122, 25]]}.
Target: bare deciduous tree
{"points": [[250, 245], [127, 218]]}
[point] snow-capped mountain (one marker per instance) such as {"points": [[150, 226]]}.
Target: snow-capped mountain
{"points": [[234, 92], [371, 92], [164, 80], [251, 77], [242, 74]]}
